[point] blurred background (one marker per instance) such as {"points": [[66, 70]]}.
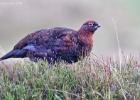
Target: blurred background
{"points": [[122, 17]]}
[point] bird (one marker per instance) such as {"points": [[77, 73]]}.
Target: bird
{"points": [[56, 44]]}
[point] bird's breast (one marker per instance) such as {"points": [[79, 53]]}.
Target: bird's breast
{"points": [[86, 44]]}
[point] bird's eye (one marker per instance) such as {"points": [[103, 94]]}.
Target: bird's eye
{"points": [[90, 24]]}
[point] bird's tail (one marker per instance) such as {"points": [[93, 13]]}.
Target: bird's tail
{"points": [[14, 54]]}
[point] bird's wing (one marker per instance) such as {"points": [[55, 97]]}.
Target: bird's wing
{"points": [[50, 38], [35, 38], [61, 44], [64, 43]]}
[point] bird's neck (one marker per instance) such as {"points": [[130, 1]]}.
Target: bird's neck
{"points": [[85, 36], [86, 42]]}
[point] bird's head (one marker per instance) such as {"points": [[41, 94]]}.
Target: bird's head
{"points": [[90, 26]]}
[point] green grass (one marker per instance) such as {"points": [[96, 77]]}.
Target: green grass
{"points": [[90, 79]]}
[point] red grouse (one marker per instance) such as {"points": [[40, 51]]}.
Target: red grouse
{"points": [[56, 44]]}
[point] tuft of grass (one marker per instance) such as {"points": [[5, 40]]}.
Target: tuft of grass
{"points": [[90, 79]]}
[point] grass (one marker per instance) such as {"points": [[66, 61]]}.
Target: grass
{"points": [[90, 79]]}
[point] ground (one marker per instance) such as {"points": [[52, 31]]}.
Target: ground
{"points": [[91, 79]]}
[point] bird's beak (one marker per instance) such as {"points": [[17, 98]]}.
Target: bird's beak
{"points": [[98, 26]]}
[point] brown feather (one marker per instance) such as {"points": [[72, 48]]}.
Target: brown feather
{"points": [[57, 44]]}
